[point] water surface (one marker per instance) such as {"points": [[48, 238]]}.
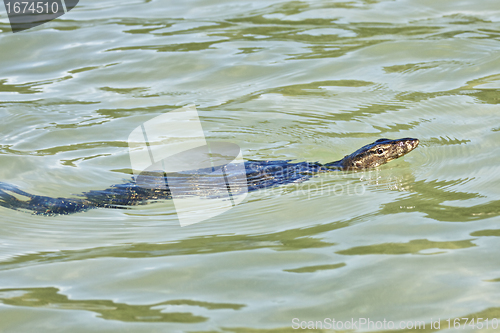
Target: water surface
{"points": [[414, 240]]}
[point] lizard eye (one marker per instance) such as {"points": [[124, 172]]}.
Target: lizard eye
{"points": [[380, 151]]}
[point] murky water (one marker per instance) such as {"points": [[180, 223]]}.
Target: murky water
{"points": [[414, 240]]}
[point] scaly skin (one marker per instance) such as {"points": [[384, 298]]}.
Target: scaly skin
{"points": [[259, 174]]}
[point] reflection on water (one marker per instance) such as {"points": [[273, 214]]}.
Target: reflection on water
{"points": [[51, 298], [415, 246], [415, 239]]}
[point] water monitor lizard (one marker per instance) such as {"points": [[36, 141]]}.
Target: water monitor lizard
{"points": [[259, 174]]}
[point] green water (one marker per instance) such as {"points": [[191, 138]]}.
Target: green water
{"points": [[414, 240]]}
